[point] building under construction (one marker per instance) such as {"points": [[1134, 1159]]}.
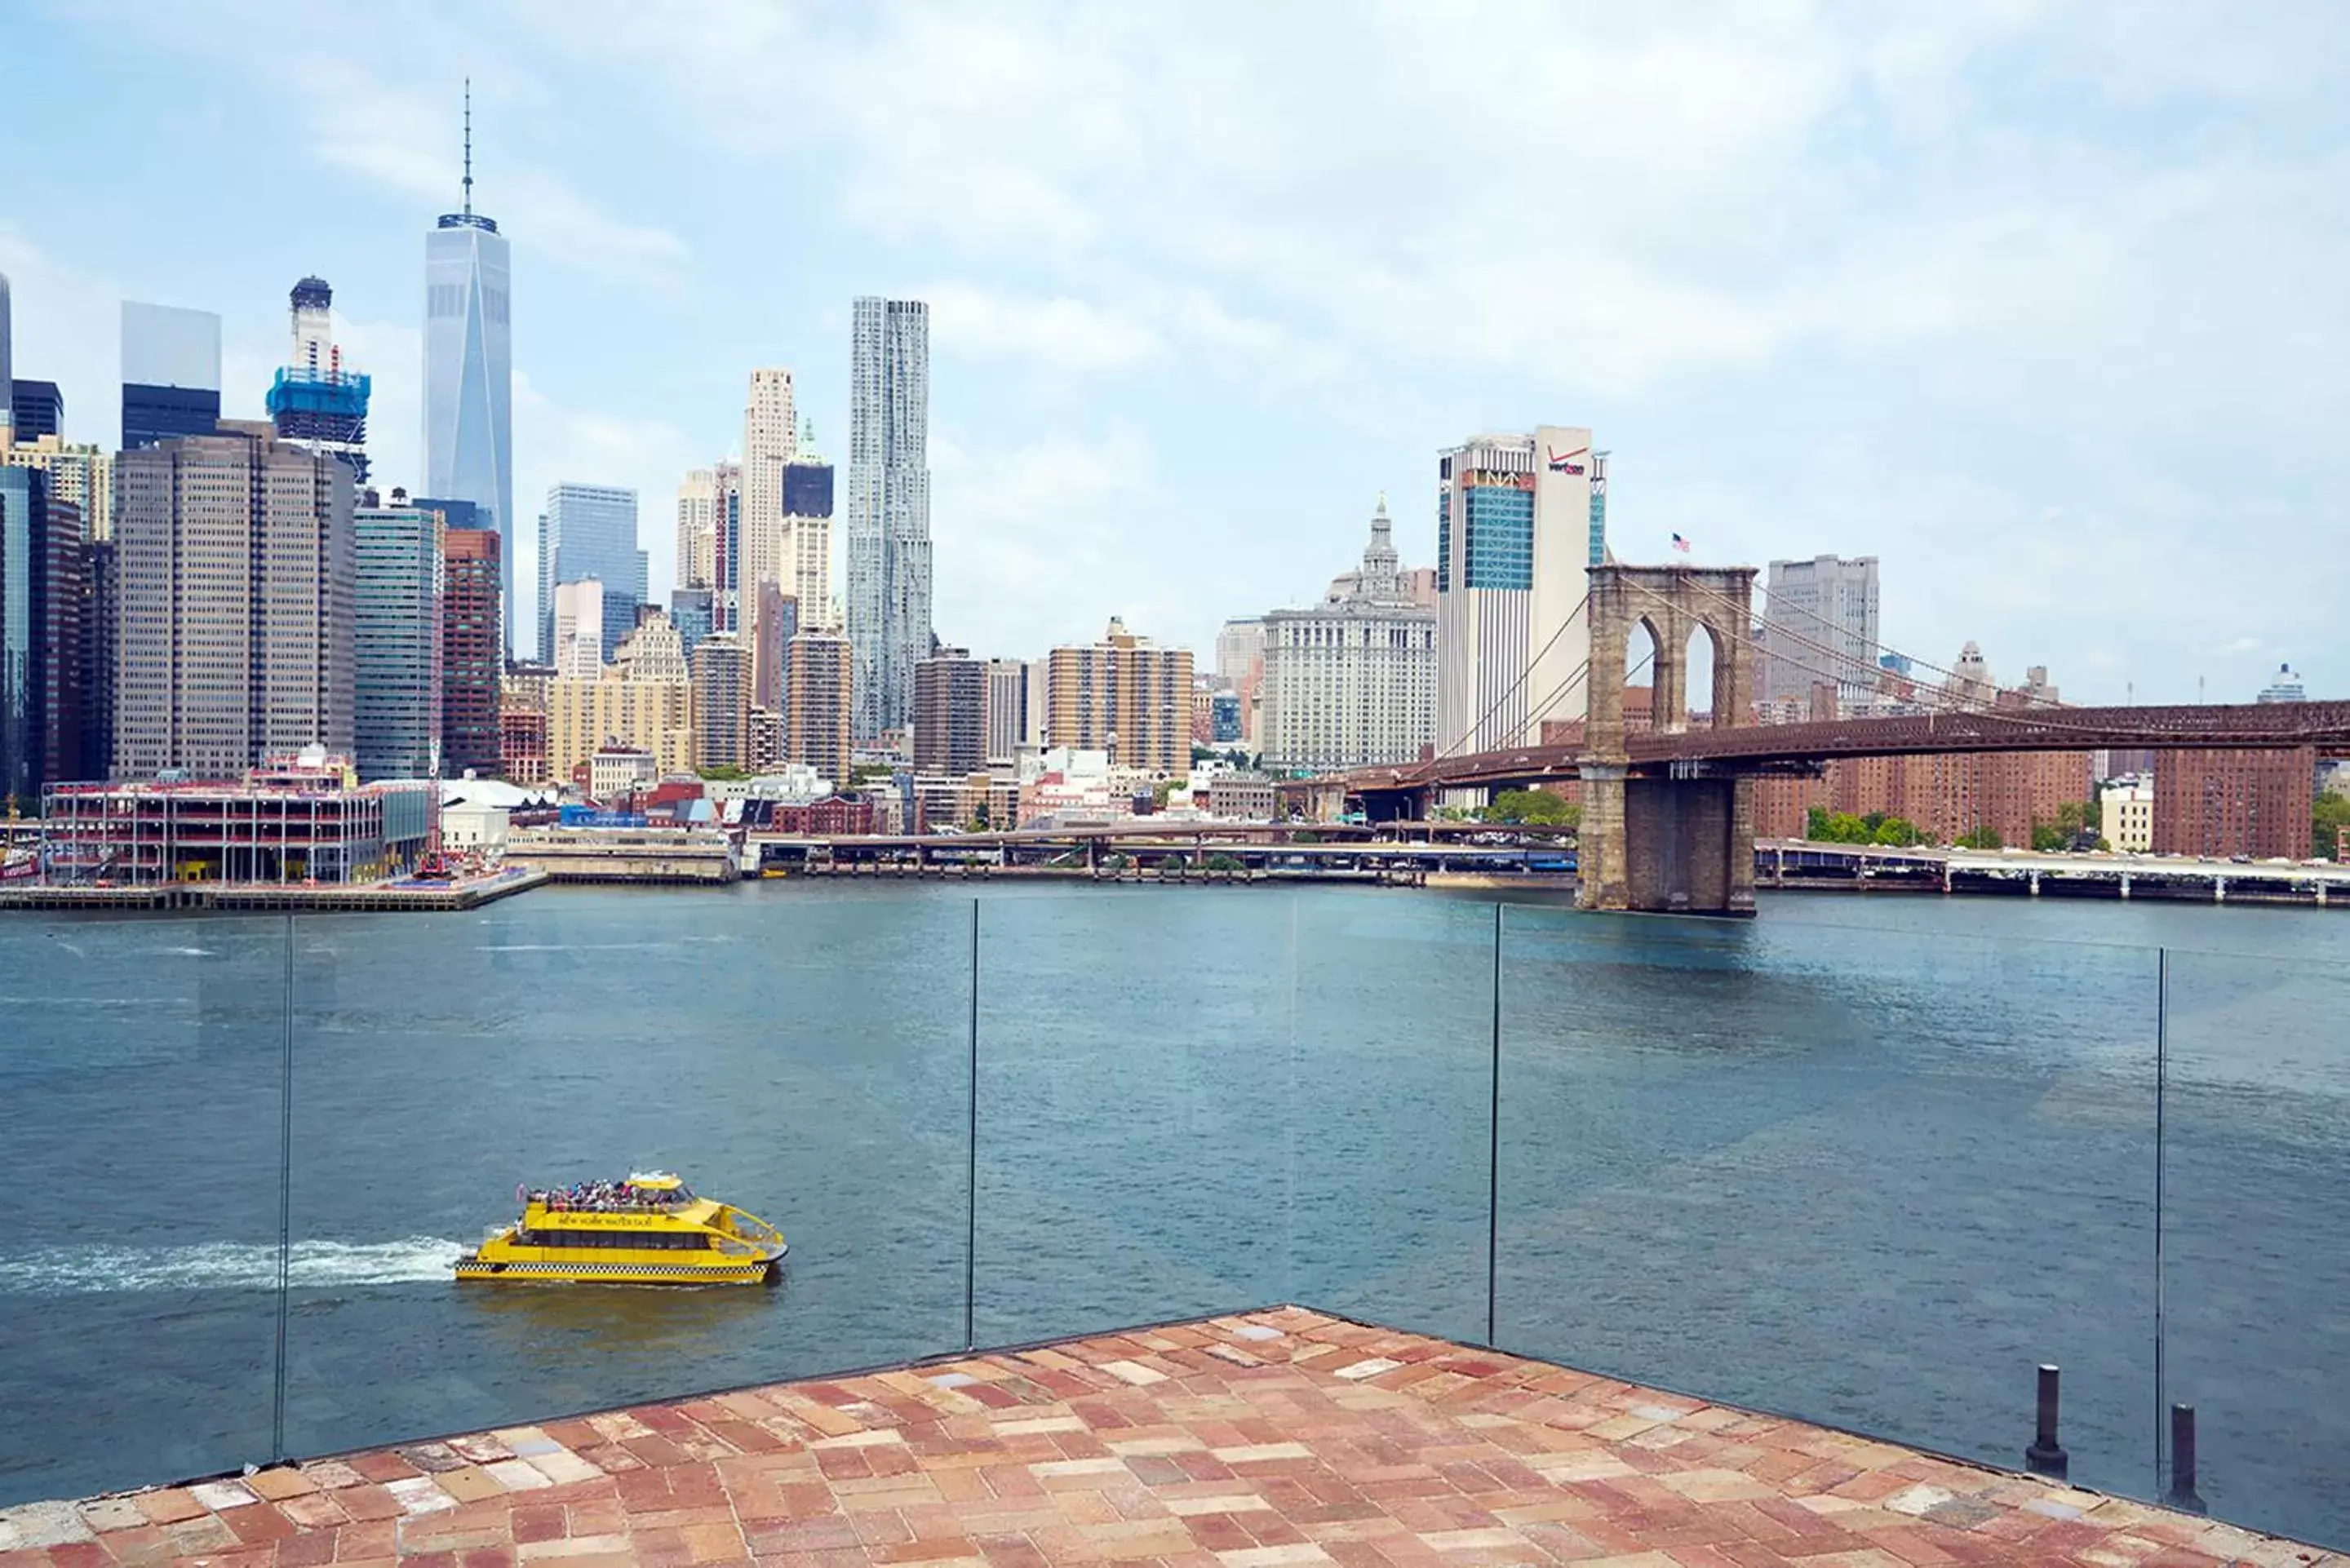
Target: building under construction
{"points": [[313, 400], [298, 819]]}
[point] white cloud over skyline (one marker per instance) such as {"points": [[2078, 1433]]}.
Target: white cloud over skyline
{"points": [[2037, 301]]}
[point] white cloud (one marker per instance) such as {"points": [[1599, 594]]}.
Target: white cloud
{"points": [[1059, 333], [2026, 281]]}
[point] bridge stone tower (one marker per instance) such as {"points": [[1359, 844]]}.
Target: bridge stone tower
{"points": [[1679, 840]]}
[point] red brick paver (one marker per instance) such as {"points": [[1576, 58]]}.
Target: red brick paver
{"points": [[1282, 1439]]}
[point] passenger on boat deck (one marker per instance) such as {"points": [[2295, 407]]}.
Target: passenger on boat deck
{"points": [[602, 1196]]}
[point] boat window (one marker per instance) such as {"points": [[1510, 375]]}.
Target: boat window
{"points": [[625, 1241]]}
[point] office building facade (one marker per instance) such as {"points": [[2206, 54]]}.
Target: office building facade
{"points": [[643, 700], [950, 717], [80, 475], [1124, 695], [2126, 818], [770, 439], [807, 534], [590, 531], [1820, 624], [578, 629], [721, 703], [688, 611], [777, 621], [1513, 545], [1015, 710], [472, 651], [888, 507], [1351, 681], [697, 530], [816, 718], [38, 409], [396, 641], [469, 375], [235, 567], [45, 646], [170, 373]]}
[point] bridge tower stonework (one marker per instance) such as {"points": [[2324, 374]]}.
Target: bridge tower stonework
{"points": [[1682, 841]]}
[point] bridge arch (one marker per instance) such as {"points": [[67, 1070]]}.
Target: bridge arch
{"points": [[1683, 841]]}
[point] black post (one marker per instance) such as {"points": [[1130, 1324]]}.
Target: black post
{"points": [[2182, 1493], [2161, 1161], [1493, 1148], [970, 1169], [2045, 1456], [285, 1202]]}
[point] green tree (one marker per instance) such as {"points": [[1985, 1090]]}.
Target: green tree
{"points": [[1897, 831], [2328, 816], [1538, 806], [725, 772], [1219, 863], [1983, 838], [2076, 820]]}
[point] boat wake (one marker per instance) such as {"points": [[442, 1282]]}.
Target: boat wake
{"points": [[224, 1266]]}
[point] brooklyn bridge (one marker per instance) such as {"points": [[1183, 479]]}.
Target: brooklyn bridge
{"points": [[1667, 811]]}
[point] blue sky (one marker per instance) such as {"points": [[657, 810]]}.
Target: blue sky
{"points": [[2043, 303]]}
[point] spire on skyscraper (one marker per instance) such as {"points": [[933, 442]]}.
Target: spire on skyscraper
{"points": [[469, 147]]}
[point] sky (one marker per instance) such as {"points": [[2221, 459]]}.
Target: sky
{"points": [[2041, 304]]}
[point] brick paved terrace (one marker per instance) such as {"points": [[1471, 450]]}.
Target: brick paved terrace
{"points": [[1260, 1441]]}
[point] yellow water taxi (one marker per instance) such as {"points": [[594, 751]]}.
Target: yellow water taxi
{"points": [[649, 1229]]}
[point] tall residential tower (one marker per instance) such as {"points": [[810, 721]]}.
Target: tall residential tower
{"points": [[888, 507], [469, 373]]}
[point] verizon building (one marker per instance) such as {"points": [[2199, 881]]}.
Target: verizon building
{"points": [[1514, 535]]}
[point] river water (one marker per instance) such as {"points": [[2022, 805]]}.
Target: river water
{"points": [[1865, 1161]]}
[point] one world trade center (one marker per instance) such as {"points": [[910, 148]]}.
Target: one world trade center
{"points": [[468, 374]]}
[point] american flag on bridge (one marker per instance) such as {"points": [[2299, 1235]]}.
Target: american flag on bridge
{"points": [[1680, 544]]}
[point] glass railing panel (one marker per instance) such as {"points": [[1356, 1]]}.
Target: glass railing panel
{"points": [[798, 1052], [1867, 1177], [140, 1122], [1135, 1136], [1389, 1136], [2256, 1220]]}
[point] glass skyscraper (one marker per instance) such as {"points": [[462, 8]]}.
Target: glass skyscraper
{"points": [[469, 372], [888, 507], [590, 531], [396, 641]]}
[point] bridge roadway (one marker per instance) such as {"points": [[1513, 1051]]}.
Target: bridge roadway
{"points": [[1172, 830], [1783, 862], [1147, 842], [1768, 748]]}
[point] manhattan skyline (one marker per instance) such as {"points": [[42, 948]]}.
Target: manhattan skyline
{"points": [[2030, 306]]}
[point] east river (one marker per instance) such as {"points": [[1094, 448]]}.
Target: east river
{"points": [[1865, 1159]]}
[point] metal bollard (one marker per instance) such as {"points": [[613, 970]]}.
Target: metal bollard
{"points": [[2182, 1494], [2047, 1456]]}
